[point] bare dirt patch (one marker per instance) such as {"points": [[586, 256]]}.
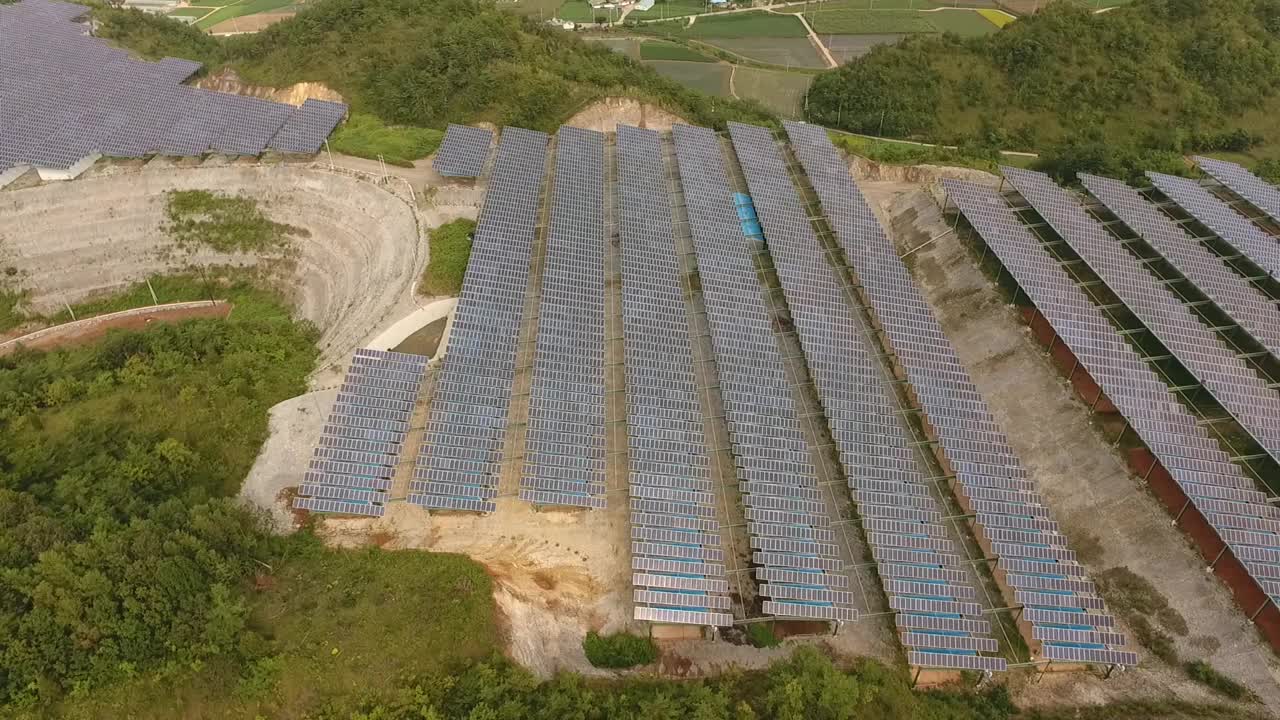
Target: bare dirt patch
{"points": [[352, 274], [606, 115], [83, 332], [229, 82], [1087, 486]]}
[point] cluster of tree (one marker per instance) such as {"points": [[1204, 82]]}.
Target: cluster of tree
{"points": [[807, 686], [1138, 85], [120, 550], [412, 62]]}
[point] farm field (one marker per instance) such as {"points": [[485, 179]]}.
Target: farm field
{"points": [[623, 46], [220, 13], [744, 25], [793, 52], [659, 50], [847, 47], [850, 17], [670, 9], [782, 92], [711, 78]]}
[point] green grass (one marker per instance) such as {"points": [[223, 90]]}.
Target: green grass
{"points": [[226, 223], [761, 635], [658, 50], [450, 251], [893, 153], [338, 623], [744, 25], [1203, 672], [240, 9], [368, 137], [621, 650], [12, 301], [1143, 609]]}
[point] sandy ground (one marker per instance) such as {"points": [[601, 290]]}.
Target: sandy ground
{"points": [[606, 115], [1087, 486]]}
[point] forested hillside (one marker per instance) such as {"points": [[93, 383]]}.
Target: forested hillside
{"points": [[429, 62], [1137, 85], [120, 550]]}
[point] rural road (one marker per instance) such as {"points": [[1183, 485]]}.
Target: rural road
{"points": [[813, 38]]}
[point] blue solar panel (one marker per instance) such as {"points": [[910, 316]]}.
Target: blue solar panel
{"points": [[67, 95]]}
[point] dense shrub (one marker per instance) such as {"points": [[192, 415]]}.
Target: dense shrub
{"points": [[120, 549], [621, 650]]}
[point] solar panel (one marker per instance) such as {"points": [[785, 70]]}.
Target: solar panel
{"points": [[686, 617], [1228, 378], [568, 364], [337, 506], [1246, 305], [356, 456], [1248, 239], [463, 151], [965, 428], [955, 661], [68, 95], [765, 431], [1167, 428], [308, 127], [1262, 194], [1068, 653], [474, 386], [663, 414]]}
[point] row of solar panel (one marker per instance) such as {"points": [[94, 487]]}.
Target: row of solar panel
{"points": [[353, 463], [68, 95], [765, 431], [1227, 377], [1215, 485], [955, 410], [567, 468], [662, 402], [874, 447], [458, 464]]}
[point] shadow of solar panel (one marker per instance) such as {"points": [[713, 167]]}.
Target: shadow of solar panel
{"points": [[463, 151]]}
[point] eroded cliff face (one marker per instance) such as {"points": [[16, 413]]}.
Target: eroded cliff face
{"points": [[229, 82]]}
